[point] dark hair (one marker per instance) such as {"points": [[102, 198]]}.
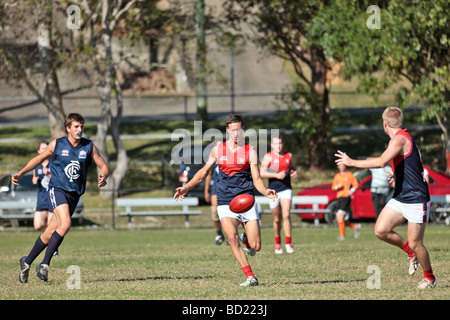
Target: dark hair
{"points": [[235, 117], [73, 117], [41, 142]]}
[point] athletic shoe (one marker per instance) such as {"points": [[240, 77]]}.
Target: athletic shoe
{"points": [[42, 271], [249, 250], [278, 249], [250, 282], [413, 265], [357, 231], [425, 283], [24, 269], [341, 238], [219, 239], [289, 248], [56, 253]]}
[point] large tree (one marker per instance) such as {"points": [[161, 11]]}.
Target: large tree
{"points": [[94, 42], [281, 26], [400, 45], [29, 54]]}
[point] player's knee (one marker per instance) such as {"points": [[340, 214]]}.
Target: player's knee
{"points": [[39, 226], [233, 239], [255, 245], [380, 233], [415, 245], [64, 228]]}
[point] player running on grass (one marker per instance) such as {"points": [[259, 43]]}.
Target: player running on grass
{"points": [[70, 158], [411, 200], [238, 174], [278, 166]]}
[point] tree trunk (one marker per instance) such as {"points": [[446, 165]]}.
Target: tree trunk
{"points": [[319, 145], [52, 93], [107, 83], [202, 113]]}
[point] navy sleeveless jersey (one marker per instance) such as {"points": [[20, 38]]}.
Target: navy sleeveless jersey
{"points": [[410, 184], [70, 165], [42, 200], [234, 173]]}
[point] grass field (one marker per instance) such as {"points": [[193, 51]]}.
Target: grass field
{"points": [[184, 264]]}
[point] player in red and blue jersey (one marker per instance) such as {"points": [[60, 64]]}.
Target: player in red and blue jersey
{"points": [[70, 158], [278, 166], [238, 174], [411, 200]]}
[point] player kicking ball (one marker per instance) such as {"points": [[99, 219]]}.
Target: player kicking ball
{"points": [[238, 174]]}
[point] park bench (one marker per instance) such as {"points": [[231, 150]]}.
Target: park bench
{"points": [[16, 211], [185, 204], [313, 201]]}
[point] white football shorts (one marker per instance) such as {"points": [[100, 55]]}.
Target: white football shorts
{"points": [[224, 211], [413, 212], [285, 194]]}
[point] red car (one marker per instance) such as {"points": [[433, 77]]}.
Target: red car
{"points": [[362, 207]]}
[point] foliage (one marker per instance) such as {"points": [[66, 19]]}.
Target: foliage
{"points": [[409, 51]]}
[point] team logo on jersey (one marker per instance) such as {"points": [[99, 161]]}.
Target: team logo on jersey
{"points": [[241, 160], [65, 153], [72, 170], [82, 154]]}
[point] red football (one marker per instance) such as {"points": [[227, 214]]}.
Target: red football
{"points": [[242, 203]]}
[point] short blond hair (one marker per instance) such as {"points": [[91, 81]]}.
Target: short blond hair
{"points": [[393, 117]]}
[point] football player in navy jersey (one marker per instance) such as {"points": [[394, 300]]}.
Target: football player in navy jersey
{"points": [[44, 213], [70, 157], [238, 174], [411, 199]]}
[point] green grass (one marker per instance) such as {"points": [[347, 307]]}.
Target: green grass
{"points": [[182, 264]]}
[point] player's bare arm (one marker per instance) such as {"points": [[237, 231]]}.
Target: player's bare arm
{"points": [[257, 180], [397, 145], [207, 184], [198, 177], [264, 170], [34, 162], [293, 169], [104, 169]]}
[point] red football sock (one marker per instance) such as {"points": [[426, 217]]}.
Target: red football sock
{"points": [[288, 240], [428, 274], [277, 239], [248, 271], [408, 250]]}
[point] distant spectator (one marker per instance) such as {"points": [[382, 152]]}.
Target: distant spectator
{"points": [[380, 188], [345, 184]]}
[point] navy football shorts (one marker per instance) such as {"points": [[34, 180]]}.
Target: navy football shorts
{"points": [[58, 197]]}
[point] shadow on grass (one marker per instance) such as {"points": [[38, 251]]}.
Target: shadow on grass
{"points": [[155, 278], [313, 282]]}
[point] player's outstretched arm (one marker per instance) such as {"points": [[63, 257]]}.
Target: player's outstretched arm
{"points": [[34, 162], [201, 175]]}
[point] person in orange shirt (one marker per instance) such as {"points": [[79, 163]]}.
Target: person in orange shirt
{"points": [[345, 183]]}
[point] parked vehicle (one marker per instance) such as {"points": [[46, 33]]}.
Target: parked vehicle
{"points": [[26, 192], [361, 204]]}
